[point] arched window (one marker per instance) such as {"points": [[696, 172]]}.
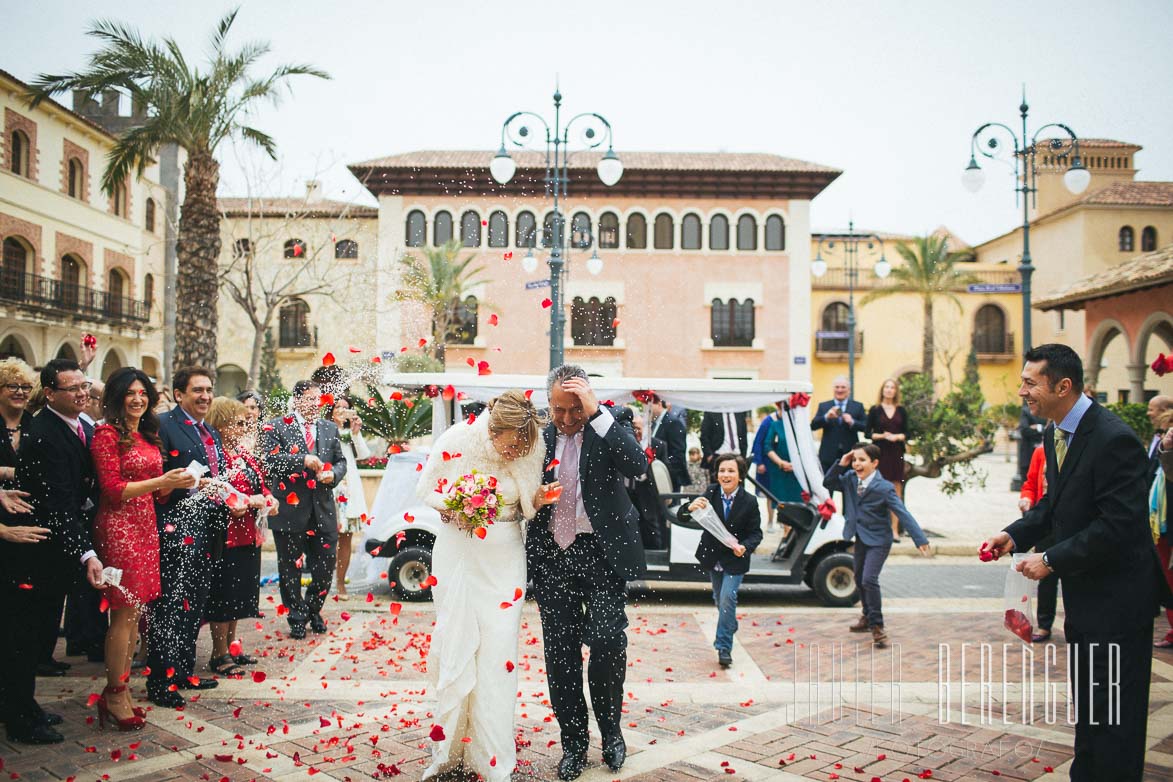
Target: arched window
{"points": [[470, 229], [527, 230], [12, 276], [989, 330], [18, 153], [416, 229], [662, 232], [148, 292], [747, 233], [463, 329], [731, 324], [441, 229], [295, 248], [498, 230], [690, 232], [294, 325], [115, 292], [346, 249], [580, 230], [548, 238], [1126, 239], [775, 233], [72, 274], [834, 334], [719, 233], [118, 200], [77, 179], [242, 248], [150, 215], [637, 232], [608, 231], [1148, 239], [592, 322]]}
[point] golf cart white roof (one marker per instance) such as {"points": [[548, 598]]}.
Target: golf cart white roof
{"points": [[714, 396]]}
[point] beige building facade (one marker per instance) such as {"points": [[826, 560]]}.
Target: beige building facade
{"points": [[75, 260]]}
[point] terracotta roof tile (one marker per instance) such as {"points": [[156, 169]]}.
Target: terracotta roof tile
{"points": [[1144, 271], [293, 207], [1132, 194], [666, 161]]}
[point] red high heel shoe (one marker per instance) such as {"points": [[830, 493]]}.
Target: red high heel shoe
{"points": [[135, 722]]}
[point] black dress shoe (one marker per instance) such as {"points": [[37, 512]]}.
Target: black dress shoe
{"points": [[40, 733], [297, 632], [572, 764], [317, 623], [48, 669], [724, 659], [200, 684], [614, 751], [166, 698], [51, 719]]}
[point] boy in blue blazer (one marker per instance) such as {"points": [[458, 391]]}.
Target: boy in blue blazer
{"points": [[867, 501]]}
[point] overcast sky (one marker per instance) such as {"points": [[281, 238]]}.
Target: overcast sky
{"points": [[889, 92]]}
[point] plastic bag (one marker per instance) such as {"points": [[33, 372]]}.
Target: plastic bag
{"points": [[1017, 601], [707, 518]]}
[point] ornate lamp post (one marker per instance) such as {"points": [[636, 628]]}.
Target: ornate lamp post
{"points": [[518, 133], [851, 243], [1076, 178]]}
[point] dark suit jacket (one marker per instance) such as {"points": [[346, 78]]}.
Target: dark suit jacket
{"points": [[671, 430], [55, 468], [602, 467], [713, 435], [866, 516], [1097, 508], [838, 437], [283, 447], [206, 521], [744, 521]]}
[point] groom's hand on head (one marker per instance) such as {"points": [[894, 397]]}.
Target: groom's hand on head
{"points": [[581, 388]]}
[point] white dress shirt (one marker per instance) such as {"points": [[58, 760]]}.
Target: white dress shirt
{"points": [[601, 424]]}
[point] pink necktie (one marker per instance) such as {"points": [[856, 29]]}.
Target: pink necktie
{"points": [[81, 431], [209, 449], [566, 511], [309, 436]]}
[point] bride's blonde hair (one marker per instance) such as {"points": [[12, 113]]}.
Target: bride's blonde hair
{"points": [[512, 411]]}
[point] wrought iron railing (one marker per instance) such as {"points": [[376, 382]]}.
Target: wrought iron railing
{"points": [[836, 342], [65, 298], [993, 343], [836, 278]]}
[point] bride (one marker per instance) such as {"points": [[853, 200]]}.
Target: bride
{"points": [[477, 597]]}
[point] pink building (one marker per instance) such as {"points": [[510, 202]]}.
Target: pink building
{"points": [[705, 259]]}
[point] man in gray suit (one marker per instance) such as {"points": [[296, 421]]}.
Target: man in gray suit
{"points": [[303, 457]]}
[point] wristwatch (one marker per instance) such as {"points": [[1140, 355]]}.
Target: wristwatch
{"points": [[1047, 562]]}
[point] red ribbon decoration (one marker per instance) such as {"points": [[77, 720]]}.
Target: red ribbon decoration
{"points": [[827, 510], [799, 400]]}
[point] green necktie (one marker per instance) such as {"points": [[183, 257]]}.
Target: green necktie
{"points": [[1060, 447]]}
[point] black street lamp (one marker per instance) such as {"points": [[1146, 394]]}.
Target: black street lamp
{"points": [[1076, 179], [851, 243], [610, 169]]}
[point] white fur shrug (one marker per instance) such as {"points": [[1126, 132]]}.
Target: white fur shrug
{"points": [[517, 481]]}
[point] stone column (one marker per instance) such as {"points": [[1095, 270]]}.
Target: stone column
{"points": [[1136, 373]]}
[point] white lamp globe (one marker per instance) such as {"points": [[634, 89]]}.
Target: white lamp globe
{"points": [[1077, 178], [529, 263], [610, 169], [882, 268], [818, 267], [594, 264], [972, 178], [502, 167]]}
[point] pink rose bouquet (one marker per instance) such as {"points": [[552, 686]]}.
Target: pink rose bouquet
{"points": [[474, 502]]}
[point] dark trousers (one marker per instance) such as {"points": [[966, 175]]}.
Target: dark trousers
{"points": [[1048, 598], [1113, 750], [581, 601], [869, 561], [318, 551], [174, 622], [25, 612], [85, 624], [49, 629]]}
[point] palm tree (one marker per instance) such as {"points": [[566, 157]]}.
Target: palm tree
{"points": [[196, 110], [439, 281], [929, 271]]}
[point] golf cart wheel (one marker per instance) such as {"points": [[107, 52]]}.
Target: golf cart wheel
{"points": [[408, 572], [834, 580]]}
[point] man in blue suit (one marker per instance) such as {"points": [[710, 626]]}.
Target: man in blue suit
{"points": [[867, 501], [842, 420]]}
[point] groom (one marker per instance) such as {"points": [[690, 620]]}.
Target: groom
{"points": [[581, 553]]}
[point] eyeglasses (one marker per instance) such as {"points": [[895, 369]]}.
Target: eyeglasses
{"points": [[17, 388], [79, 388]]}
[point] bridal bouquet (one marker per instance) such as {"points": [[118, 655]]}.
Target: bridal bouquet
{"points": [[473, 498]]}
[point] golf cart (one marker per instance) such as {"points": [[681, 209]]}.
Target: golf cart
{"points": [[403, 529]]}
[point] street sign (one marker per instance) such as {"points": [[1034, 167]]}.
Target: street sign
{"points": [[533, 285], [994, 287], [800, 359], [832, 334]]}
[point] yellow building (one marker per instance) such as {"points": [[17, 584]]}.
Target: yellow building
{"points": [[75, 260], [1075, 236], [890, 329]]}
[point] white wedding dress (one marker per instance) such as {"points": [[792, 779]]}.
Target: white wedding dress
{"points": [[475, 642]]}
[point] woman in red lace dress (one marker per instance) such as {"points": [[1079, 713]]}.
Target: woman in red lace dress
{"points": [[130, 473]]}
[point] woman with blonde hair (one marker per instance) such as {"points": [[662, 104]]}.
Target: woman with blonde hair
{"points": [[480, 583], [17, 382], [887, 427]]}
